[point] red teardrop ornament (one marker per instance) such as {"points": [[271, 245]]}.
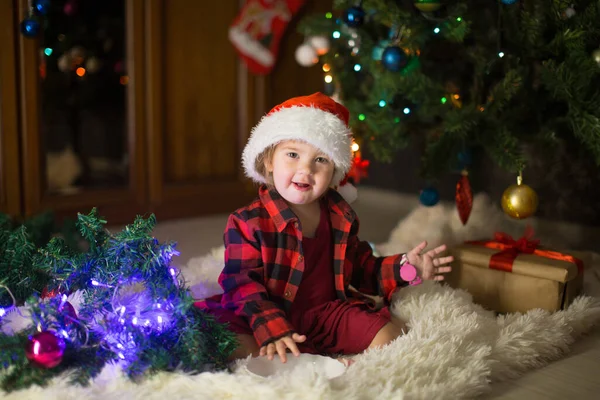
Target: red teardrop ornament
{"points": [[464, 197]]}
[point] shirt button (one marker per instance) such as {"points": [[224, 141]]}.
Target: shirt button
{"points": [[300, 258], [288, 294]]}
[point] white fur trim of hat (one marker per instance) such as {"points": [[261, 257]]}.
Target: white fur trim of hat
{"points": [[316, 119]]}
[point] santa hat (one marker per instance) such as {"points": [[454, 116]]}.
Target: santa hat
{"points": [[316, 119]]}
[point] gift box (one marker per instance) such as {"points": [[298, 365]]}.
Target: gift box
{"points": [[508, 275]]}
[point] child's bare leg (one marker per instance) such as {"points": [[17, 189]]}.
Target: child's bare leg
{"points": [[388, 333], [247, 345]]}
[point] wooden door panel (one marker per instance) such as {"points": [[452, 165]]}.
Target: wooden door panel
{"points": [[198, 106], [200, 91], [10, 201]]}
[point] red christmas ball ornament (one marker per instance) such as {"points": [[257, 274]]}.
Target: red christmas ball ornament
{"points": [[70, 8], [45, 349], [464, 197]]}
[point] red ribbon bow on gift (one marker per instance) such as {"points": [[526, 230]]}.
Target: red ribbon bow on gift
{"points": [[525, 244], [511, 248]]}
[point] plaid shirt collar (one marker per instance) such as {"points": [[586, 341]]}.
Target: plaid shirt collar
{"points": [[282, 214]]}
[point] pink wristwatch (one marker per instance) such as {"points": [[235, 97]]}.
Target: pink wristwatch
{"points": [[408, 272]]}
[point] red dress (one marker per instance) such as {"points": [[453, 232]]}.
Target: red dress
{"points": [[331, 325]]}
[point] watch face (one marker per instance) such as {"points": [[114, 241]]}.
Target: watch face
{"points": [[408, 272]]}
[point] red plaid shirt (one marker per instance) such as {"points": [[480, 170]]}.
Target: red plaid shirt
{"points": [[264, 263]]}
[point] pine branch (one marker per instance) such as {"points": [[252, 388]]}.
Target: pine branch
{"points": [[92, 228], [504, 148], [504, 91], [586, 128]]}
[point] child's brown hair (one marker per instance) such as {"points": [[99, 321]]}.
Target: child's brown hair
{"points": [[260, 164]]}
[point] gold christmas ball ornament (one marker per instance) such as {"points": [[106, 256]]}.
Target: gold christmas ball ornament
{"points": [[596, 56], [519, 201], [428, 5]]}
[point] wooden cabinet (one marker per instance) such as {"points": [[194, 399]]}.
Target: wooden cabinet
{"points": [[10, 196], [161, 131]]}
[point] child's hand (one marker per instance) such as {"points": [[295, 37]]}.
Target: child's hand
{"points": [[281, 345], [429, 266]]}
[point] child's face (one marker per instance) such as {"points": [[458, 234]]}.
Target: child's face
{"points": [[301, 173]]}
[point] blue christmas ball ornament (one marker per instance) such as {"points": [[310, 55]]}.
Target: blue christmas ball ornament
{"points": [[394, 58], [354, 17], [41, 7], [30, 27], [509, 2], [465, 158], [429, 197]]}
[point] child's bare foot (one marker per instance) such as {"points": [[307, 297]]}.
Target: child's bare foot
{"points": [[346, 361]]}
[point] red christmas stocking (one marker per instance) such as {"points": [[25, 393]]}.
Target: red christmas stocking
{"points": [[256, 32]]}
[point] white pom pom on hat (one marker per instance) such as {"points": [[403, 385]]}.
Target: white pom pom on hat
{"points": [[316, 119]]}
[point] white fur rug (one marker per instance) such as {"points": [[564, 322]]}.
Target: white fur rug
{"points": [[454, 348]]}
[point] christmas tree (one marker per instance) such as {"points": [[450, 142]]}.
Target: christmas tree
{"points": [[117, 301], [479, 76]]}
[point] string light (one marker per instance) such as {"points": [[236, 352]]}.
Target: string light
{"points": [[443, 100], [355, 147], [48, 51], [397, 119], [326, 67], [336, 34], [328, 15], [406, 110], [357, 67], [382, 103], [80, 71], [459, 19], [328, 78], [436, 30], [361, 117], [501, 54]]}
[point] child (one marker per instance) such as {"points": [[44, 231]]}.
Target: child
{"points": [[292, 255]]}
